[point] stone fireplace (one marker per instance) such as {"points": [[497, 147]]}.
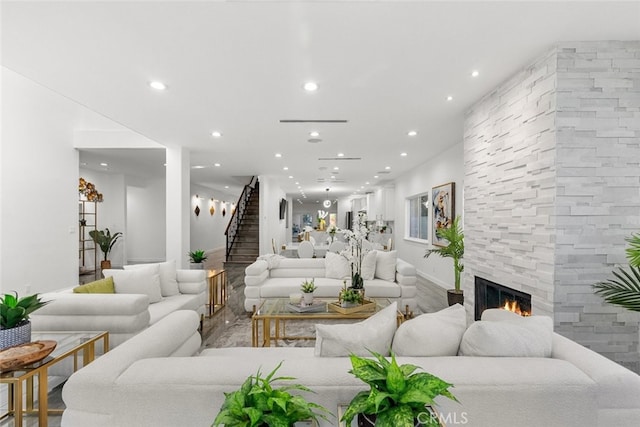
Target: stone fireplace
{"points": [[489, 294], [552, 188]]}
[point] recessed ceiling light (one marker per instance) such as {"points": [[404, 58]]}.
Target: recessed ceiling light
{"points": [[412, 133], [297, 183], [299, 187], [158, 85], [216, 134], [197, 167], [165, 164], [290, 176], [475, 73], [403, 154], [340, 154], [375, 176], [278, 155], [367, 183], [226, 186], [335, 168], [286, 168], [387, 167], [104, 164], [314, 134], [83, 164], [310, 86], [216, 165], [449, 98], [333, 177], [362, 186]]}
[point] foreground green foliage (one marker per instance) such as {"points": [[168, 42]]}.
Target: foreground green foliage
{"points": [[308, 287], [258, 403], [14, 310], [624, 290], [397, 395]]}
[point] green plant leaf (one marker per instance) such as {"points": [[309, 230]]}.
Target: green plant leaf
{"points": [[625, 291], [397, 416], [633, 251], [359, 404], [396, 382]]}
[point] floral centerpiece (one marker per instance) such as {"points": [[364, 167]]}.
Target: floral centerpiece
{"points": [[355, 251], [332, 230]]}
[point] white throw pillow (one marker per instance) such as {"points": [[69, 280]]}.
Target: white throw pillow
{"points": [[167, 271], [386, 265], [432, 334], [144, 280], [368, 270], [374, 333], [336, 266], [529, 337]]}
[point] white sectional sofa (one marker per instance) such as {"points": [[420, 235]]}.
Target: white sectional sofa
{"points": [[137, 303], [574, 387], [278, 277]]}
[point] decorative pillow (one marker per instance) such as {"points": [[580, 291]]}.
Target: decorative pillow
{"points": [[167, 271], [336, 266], [143, 280], [386, 265], [368, 270], [102, 286], [432, 334], [529, 337], [374, 333]]}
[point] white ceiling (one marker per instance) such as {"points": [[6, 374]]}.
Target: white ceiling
{"points": [[238, 66]]}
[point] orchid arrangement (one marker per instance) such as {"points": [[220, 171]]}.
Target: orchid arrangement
{"points": [[355, 251], [332, 230]]}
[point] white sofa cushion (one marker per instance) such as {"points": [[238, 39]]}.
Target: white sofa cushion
{"points": [[368, 270], [336, 266], [167, 271], [143, 280], [529, 337], [432, 334], [374, 333], [386, 265]]}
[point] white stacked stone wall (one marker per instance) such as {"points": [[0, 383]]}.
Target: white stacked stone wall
{"points": [[509, 186], [598, 190], [552, 188]]}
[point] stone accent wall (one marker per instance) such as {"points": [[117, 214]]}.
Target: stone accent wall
{"points": [[552, 188], [598, 190], [509, 187]]}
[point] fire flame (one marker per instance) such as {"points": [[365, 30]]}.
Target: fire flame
{"points": [[514, 307]]}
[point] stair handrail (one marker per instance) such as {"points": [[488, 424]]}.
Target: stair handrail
{"points": [[238, 214]]}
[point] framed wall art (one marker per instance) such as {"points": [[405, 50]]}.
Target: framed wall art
{"points": [[443, 200]]}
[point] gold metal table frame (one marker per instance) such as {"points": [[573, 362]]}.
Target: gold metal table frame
{"points": [[217, 282], [274, 309], [39, 371]]}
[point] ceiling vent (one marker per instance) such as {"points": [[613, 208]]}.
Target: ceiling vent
{"points": [[339, 158], [313, 121], [383, 172]]}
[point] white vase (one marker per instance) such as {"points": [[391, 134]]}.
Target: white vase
{"points": [[307, 298]]}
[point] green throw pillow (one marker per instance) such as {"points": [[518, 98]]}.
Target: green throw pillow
{"points": [[103, 286]]}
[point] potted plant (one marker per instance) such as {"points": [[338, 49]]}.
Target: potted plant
{"points": [[105, 240], [624, 290], [455, 249], [307, 289], [258, 403], [197, 258], [350, 297], [398, 397], [15, 327]]}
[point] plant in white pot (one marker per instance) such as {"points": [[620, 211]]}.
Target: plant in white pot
{"points": [[455, 250], [15, 327], [307, 289], [197, 259]]}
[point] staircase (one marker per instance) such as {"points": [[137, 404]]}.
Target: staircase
{"points": [[243, 234]]}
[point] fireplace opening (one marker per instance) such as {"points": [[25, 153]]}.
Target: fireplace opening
{"points": [[493, 295]]}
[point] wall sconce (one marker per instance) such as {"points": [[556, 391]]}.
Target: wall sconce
{"points": [[212, 209], [224, 208], [197, 203]]}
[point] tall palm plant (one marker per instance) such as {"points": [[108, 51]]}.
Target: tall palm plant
{"points": [[455, 248], [624, 290]]}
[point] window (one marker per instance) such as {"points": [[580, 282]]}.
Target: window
{"points": [[418, 217]]}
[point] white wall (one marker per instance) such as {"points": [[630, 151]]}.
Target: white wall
{"points": [[446, 167], [146, 218], [271, 226], [207, 231], [38, 193]]}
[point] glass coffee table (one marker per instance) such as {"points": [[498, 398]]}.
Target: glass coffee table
{"points": [[81, 346], [275, 310]]}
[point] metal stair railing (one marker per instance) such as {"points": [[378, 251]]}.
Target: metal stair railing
{"points": [[238, 215]]}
